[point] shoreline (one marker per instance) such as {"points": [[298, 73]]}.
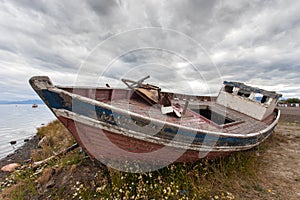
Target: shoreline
{"points": [[20, 155]]}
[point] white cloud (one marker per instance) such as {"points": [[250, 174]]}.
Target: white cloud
{"points": [[250, 41]]}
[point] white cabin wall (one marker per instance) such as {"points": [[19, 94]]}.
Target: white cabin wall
{"points": [[271, 107], [246, 106]]}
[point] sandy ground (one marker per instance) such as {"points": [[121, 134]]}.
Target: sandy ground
{"points": [[281, 162]]}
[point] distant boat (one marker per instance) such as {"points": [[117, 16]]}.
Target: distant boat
{"points": [[142, 119], [34, 105]]}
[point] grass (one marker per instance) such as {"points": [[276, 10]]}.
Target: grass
{"points": [[74, 176], [206, 179], [20, 185], [55, 139]]}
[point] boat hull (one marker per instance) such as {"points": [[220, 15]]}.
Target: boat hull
{"points": [[108, 146], [110, 134]]}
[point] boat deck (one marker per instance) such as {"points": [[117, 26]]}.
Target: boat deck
{"points": [[242, 123]]}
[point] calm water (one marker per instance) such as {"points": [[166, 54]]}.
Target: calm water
{"points": [[19, 122]]}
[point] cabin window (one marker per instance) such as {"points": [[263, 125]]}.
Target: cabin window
{"points": [[258, 97], [213, 116], [244, 93], [228, 88], [264, 99]]}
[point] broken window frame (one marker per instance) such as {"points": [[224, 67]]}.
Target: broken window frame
{"points": [[247, 94], [244, 93], [228, 89]]}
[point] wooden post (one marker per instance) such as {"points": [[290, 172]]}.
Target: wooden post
{"points": [[185, 107]]}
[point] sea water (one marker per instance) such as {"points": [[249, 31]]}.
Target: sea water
{"points": [[20, 122]]}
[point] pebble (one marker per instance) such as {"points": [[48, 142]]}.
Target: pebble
{"points": [[10, 167]]}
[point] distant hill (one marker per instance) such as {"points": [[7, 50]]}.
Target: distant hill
{"points": [[32, 101]]}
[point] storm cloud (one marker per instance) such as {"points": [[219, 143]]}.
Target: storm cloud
{"points": [[186, 46]]}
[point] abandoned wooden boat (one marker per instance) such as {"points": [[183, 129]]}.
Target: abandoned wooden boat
{"points": [[143, 123]]}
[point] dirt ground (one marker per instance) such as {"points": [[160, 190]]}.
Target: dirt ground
{"points": [[281, 161]]}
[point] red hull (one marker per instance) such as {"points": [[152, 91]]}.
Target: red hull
{"points": [[108, 147]]}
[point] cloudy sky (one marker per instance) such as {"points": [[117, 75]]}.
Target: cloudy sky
{"points": [[186, 46]]}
